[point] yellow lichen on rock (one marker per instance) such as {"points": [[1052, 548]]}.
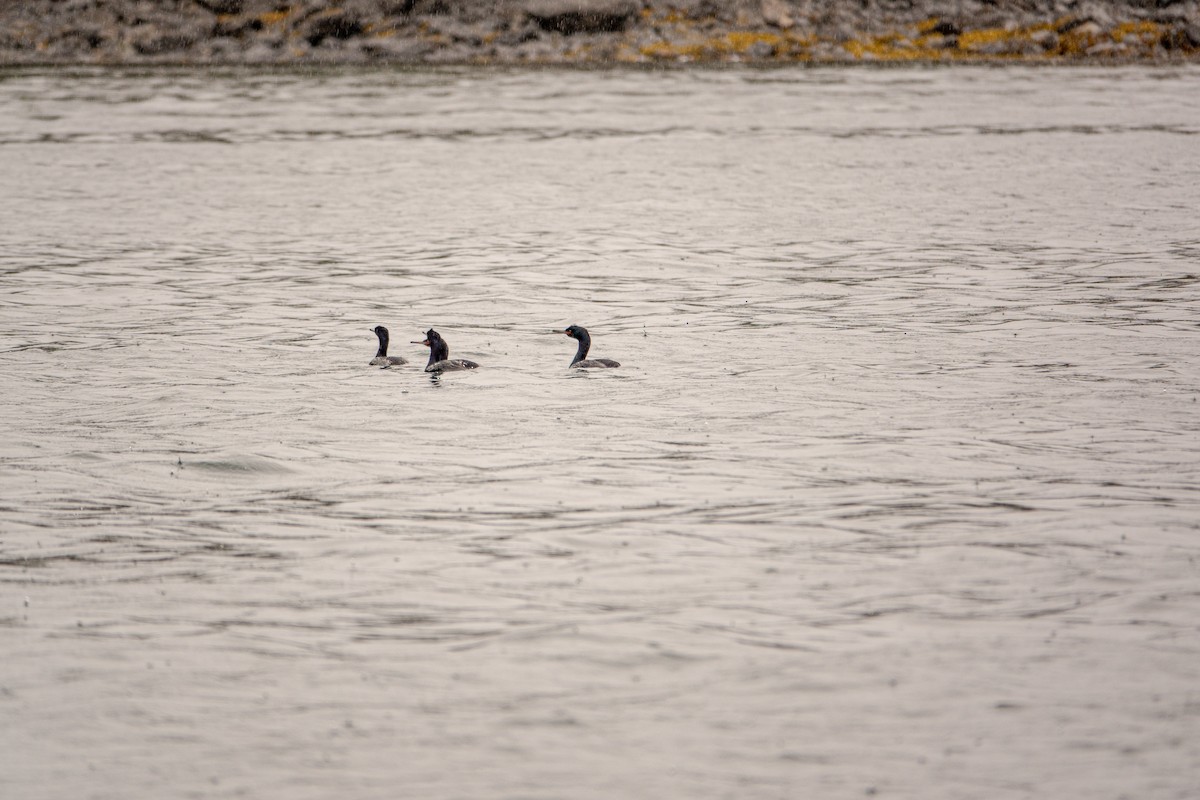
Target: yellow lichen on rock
{"points": [[928, 25], [741, 41], [983, 37], [719, 47], [893, 47], [270, 18], [1079, 39], [1146, 32]]}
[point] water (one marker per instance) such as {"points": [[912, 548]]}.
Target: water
{"points": [[896, 492]]}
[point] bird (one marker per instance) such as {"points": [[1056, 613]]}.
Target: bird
{"points": [[581, 361], [382, 359], [439, 355]]}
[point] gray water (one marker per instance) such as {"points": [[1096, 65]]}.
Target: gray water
{"points": [[896, 492]]}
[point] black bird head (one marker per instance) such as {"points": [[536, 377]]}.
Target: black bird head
{"points": [[580, 335], [438, 349], [431, 336]]}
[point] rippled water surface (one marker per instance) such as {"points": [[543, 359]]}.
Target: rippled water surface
{"points": [[896, 492]]}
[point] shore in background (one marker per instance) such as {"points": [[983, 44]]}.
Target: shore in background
{"points": [[593, 32]]}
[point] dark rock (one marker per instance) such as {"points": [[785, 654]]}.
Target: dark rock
{"points": [[91, 37], [401, 8], [16, 40], [700, 9], [569, 17], [432, 8], [1185, 39], [70, 44], [222, 6], [236, 26], [946, 29], [518, 34], [332, 25]]}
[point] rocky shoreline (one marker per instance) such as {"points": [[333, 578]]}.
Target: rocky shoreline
{"points": [[593, 32]]}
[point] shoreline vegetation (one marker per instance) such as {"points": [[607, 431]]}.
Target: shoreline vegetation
{"points": [[594, 32]]}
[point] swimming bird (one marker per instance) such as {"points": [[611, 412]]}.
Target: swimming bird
{"points": [[382, 359], [585, 342], [439, 355]]}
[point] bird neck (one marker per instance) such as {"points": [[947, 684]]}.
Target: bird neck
{"points": [[585, 344], [383, 342], [438, 351]]}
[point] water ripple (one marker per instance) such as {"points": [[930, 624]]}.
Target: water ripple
{"points": [[902, 449]]}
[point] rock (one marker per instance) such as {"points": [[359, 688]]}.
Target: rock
{"points": [[222, 50], [344, 51], [407, 51], [235, 26], [1075, 25], [1105, 49], [761, 51], [93, 35], [336, 24], [455, 31], [397, 8], [150, 40], [261, 53], [1097, 13], [68, 45], [459, 53], [1020, 46], [996, 48], [535, 51], [699, 9], [430, 8], [1184, 39], [841, 33], [1169, 15], [1045, 39], [222, 6], [518, 34], [569, 17], [775, 12], [1077, 40]]}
